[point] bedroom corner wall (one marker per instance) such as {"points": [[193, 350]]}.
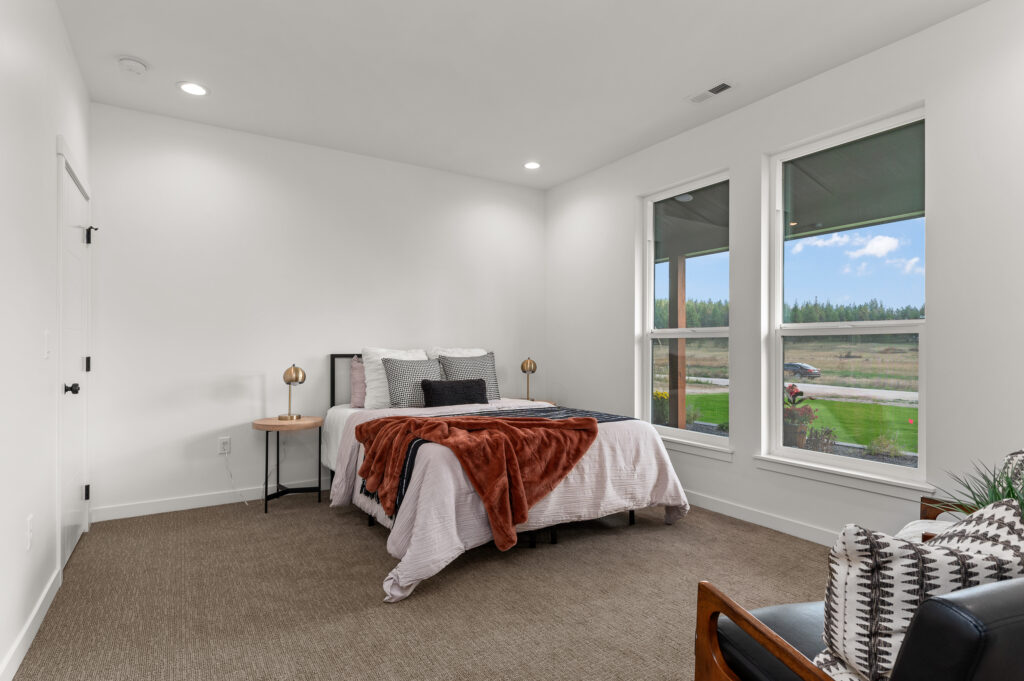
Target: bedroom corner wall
{"points": [[224, 257], [960, 70], [43, 96]]}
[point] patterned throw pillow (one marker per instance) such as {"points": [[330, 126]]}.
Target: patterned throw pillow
{"points": [[377, 396], [836, 667], [469, 368], [877, 582], [405, 379], [1013, 466]]}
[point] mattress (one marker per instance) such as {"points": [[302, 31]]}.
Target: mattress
{"points": [[334, 426]]}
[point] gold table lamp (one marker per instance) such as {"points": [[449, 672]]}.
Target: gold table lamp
{"points": [[528, 367], [293, 375]]}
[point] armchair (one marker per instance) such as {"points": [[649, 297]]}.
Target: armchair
{"points": [[970, 635]]}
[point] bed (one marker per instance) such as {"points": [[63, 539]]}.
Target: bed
{"points": [[441, 516]]}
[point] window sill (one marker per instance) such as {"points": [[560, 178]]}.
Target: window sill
{"points": [[910, 490], [708, 451]]}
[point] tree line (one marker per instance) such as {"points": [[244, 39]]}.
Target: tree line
{"points": [[872, 311], [705, 313]]}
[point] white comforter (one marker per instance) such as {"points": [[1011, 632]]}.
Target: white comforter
{"points": [[441, 515]]}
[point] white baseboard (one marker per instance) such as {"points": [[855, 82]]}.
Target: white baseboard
{"points": [[818, 535], [232, 496], [12, 660]]}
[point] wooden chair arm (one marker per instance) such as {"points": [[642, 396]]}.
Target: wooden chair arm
{"points": [[932, 508], [709, 665]]}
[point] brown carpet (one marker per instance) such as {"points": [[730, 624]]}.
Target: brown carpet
{"points": [[228, 593]]}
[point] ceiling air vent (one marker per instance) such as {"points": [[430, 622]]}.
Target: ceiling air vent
{"points": [[710, 92]]}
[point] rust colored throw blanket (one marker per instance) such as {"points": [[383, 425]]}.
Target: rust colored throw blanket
{"points": [[512, 463]]}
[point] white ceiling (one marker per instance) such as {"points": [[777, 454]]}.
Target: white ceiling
{"points": [[474, 86]]}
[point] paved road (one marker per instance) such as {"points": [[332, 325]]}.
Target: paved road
{"points": [[837, 391]]}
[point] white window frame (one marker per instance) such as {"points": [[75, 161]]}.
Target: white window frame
{"points": [[718, 443], [778, 330]]}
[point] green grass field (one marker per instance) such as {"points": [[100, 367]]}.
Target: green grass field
{"points": [[714, 408], [855, 422], [862, 422]]}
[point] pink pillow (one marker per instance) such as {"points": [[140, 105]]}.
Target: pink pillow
{"points": [[357, 377]]}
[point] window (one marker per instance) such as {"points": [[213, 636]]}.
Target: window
{"points": [[686, 344], [848, 300]]}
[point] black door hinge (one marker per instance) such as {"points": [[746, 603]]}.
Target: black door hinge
{"points": [[88, 233], [87, 492], [88, 363]]}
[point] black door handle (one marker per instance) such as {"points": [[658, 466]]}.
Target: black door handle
{"points": [[73, 388]]}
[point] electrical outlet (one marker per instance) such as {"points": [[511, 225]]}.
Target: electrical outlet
{"points": [[224, 445], [28, 533]]}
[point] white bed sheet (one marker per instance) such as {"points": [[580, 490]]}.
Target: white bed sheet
{"points": [[334, 426], [442, 516]]}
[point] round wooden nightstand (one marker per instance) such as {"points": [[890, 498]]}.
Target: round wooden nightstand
{"points": [[276, 425]]}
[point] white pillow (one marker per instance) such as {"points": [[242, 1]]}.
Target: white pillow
{"points": [[914, 530], [435, 352], [377, 395]]}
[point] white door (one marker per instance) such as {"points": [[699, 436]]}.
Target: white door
{"points": [[74, 326]]}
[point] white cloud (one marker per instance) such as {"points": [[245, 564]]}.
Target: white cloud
{"points": [[847, 269], [833, 240], [878, 246], [821, 242], [908, 265], [862, 269]]}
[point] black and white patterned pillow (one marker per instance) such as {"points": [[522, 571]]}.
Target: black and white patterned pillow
{"points": [[877, 582], [1013, 468], [836, 667], [405, 379], [469, 368]]}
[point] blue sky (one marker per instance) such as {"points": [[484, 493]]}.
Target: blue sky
{"points": [[884, 262]]}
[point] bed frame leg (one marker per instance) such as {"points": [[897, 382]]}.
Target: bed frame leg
{"points": [[554, 535], [370, 522], [532, 540], [632, 517]]}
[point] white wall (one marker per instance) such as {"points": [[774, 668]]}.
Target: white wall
{"points": [[41, 95], [223, 257], [966, 72]]}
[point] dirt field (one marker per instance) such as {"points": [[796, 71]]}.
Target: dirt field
{"points": [[858, 361], [850, 361]]}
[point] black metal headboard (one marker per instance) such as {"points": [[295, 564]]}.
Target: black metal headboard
{"points": [[334, 368]]}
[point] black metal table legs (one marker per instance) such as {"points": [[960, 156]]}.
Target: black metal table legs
{"points": [[281, 490]]}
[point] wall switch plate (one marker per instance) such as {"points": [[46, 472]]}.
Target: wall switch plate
{"points": [[28, 533], [224, 445]]}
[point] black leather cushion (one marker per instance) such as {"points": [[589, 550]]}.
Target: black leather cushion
{"points": [[975, 634], [800, 624], [445, 393]]}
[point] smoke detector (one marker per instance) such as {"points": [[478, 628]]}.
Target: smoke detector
{"points": [[710, 92], [132, 66]]}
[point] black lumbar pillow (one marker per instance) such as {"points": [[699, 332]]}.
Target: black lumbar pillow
{"points": [[445, 393]]}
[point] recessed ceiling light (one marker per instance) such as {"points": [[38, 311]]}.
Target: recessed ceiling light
{"points": [[683, 198], [794, 223], [192, 88], [531, 165]]}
